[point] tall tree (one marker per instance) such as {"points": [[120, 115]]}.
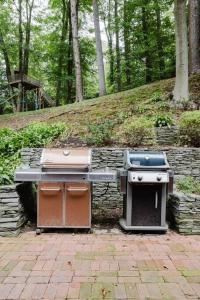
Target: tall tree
{"points": [[118, 56], [127, 46], [159, 39], [181, 90], [5, 55], [99, 50], [76, 50], [148, 59], [70, 61], [29, 9], [61, 54], [106, 11], [194, 36], [20, 31]]}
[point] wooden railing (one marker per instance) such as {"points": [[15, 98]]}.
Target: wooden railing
{"points": [[23, 78]]}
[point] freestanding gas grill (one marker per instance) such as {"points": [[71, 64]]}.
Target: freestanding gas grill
{"points": [[64, 187], [144, 184]]}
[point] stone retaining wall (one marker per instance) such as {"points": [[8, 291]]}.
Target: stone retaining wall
{"points": [[166, 135], [12, 215], [184, 212], [107, 201]]}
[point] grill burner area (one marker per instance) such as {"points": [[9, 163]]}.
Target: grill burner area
{"points": [[144, 184]]}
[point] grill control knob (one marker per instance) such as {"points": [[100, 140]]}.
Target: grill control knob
{"points": [[140, 178], [159, 178]]}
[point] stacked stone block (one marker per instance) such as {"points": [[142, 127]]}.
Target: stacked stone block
{"points": [[185, 212], [12, 215]]}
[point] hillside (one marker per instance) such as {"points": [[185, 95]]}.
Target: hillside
{"points": [[149, 100]]}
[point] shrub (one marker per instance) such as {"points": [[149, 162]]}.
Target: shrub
{"points": [[99, 134], [189, 127], [163, 121], [137, 131], [34, 135], [8, 109], [41, 134], [189, 185]]}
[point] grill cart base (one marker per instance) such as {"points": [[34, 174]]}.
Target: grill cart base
{"points": [[123, 224]]}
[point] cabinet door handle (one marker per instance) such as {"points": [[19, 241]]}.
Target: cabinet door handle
{"points": [[50, 190], [156, 200], [77, 189]]}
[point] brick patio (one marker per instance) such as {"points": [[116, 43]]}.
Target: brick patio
{"points": [[99, 266]]}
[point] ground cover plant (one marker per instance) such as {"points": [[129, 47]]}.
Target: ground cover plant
{"points": [[11, 141], [190, 128], [189, 185]]}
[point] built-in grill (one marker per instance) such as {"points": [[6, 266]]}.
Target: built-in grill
{"points": [[64, 187], [144, 184]]}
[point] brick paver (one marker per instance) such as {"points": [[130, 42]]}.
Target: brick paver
{"points": [[100, 266]]}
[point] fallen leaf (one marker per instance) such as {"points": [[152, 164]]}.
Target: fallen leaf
{"points": [[165, 267], [104, 292]]}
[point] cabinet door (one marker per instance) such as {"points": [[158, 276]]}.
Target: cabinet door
{"points": [[78, 205], [50, 205], [146, 205]]}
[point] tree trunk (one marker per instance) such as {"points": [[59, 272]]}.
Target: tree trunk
{"points": [[76, 50], [181, 90], [127, 44], [101, 71], [5, 55], [70, 61], [29, 9], [159, 40], [118, 56], [194, 36], [110, 44], [61, 51], [146, 44], [20, 38]]}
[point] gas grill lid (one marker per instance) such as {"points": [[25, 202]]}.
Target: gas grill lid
{"points": [[145, 160], [69, 159]]}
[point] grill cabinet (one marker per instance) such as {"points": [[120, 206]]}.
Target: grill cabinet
{"points": [[144, 185], [64, 187]]}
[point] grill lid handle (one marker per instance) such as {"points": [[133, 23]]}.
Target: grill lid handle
{"points": [[66, 152]]}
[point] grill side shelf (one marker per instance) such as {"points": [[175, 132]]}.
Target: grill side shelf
{"points": [[28, 175]]}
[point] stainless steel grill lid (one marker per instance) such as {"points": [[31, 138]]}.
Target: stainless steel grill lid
{"points": [[145, 160], [66, 159]]}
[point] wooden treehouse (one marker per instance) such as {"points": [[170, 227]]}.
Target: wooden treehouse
{"points": [[24, 83]]}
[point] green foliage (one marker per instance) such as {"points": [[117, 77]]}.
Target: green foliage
{"points": [[189, 127], [163, 121], [99, 134], [141, 109], [41, 134], [157, 97], [189, 185], [34, 135], [7, 168], [7, 109], [137, 131]]}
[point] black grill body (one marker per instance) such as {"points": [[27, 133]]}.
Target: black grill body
{"points": [[144, 184]]}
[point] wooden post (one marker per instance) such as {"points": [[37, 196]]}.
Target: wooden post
{"points": [[19, 97]]}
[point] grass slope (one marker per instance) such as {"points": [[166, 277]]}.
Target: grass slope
{"points": [[135, 102]]}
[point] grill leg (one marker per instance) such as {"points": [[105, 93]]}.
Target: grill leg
{"points": [[38, 231]]}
